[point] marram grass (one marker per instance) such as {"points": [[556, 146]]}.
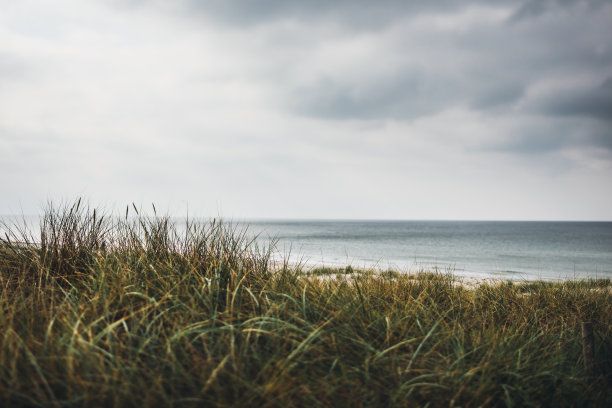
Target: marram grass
{"points": [[133, 311]]}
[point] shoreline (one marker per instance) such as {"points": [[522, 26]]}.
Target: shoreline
{"points": [[323, 269]]}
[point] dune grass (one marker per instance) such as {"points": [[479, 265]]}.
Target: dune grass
{"points": [[133, 311]]}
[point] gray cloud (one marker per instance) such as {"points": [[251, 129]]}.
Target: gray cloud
{"points": [[406, 95], [357, 14], [591, 102], [537, 8], [360, 14], [505, 58], [550, 136], [215, 102], [533, 144], [491, 68], [498, 96]]}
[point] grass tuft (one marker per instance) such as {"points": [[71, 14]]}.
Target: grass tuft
{"points": [[102, 310]]}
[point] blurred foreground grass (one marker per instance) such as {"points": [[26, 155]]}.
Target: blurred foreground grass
{"points": [[133, 311]]}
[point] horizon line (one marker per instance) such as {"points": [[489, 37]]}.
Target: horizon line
{"points": [[329, 219]]}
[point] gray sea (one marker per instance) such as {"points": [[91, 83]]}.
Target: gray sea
{"points": [[505, 250], [481, 249]]}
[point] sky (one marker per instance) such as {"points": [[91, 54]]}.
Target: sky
{"points": [[389, 109]]}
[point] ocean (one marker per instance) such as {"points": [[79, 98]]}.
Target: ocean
{"points": [[481, 249], [513, 250]]}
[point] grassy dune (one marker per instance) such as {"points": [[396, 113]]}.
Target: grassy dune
{"points": [[131, 311]]}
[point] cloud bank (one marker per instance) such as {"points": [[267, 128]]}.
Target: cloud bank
{"points": [[346, 109]]}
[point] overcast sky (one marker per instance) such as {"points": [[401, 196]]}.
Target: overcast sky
{"points": [[309, 109]]}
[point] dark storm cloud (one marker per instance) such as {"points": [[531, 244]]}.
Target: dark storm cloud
{"points": [[505, 61], [591, 103], [571, 118], [487, 66], [536, 8]]}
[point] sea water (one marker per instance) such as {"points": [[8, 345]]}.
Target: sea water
{"points": [[482, 249], [505, 250]]}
